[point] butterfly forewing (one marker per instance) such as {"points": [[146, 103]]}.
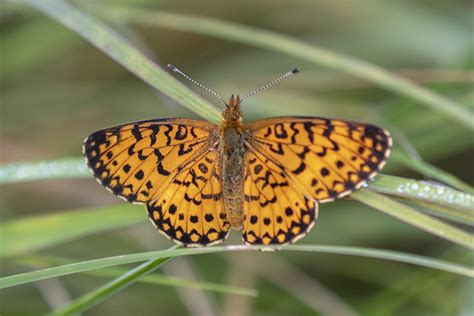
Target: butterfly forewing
{"points": [[137, 161], [326, 158]]}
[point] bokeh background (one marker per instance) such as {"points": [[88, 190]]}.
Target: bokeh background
{"points": [[56, 89]]}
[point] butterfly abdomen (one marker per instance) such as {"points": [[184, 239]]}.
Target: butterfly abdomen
{"points": [[233, 164]]}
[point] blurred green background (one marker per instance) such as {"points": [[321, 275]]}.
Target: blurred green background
{"points": [[56, 89]]}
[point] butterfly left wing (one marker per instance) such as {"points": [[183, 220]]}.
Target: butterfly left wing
{"points": [[275, 211], [171, 165], [324, 158]]}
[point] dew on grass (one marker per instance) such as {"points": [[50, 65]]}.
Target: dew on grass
{"points": [[436, 192]]}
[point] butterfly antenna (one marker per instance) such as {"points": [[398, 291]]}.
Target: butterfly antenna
{"points": [[175, 69], [271, 83]]}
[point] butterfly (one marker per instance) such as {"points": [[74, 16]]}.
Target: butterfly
{"points": [[198, 179]]}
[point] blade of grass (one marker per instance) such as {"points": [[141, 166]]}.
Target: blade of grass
{"points": [[92, 298], [84, 266], [41, 170], [293, 47], [452, 214], [117, 47], [155, 279], [413, 217], [425, 191], [27, 234]]}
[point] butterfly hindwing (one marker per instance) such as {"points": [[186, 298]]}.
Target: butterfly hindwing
{"points": [[326, 158], [136, 161], [190, 210], [275, 212]]}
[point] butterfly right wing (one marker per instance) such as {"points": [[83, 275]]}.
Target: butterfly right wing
{"points": [[137, 161], [295, 162], [276, 212]]}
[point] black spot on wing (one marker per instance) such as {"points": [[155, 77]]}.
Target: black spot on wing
{"points": [[182, 132], [309, 132], [300, 168], [161, 170], [280, 131], [136, 133]]}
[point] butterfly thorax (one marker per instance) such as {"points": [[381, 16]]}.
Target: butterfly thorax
{"points": [[233, 163]]}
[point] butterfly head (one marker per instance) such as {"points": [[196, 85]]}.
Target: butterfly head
{"points": [[232, 114]]}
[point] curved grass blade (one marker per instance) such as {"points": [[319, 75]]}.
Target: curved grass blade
{"points": [[83, 266]]}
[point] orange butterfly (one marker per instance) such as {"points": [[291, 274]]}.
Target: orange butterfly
{"points": [[266, 177]]}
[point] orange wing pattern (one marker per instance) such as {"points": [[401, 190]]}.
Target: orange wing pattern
{"points": [[191, 209], [137, 161], [275, 212], [326, 159]]}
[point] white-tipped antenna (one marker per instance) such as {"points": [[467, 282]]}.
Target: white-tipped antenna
{"points": [[175, 69], [271, 83]]}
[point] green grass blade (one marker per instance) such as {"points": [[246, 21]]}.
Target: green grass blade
{"points": [[118, 48], [154, 279], [83, 266], [49, 169], [89, 300], [425, 191], [451, 214], [413, 217], [27, 234], [293, 47]]}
